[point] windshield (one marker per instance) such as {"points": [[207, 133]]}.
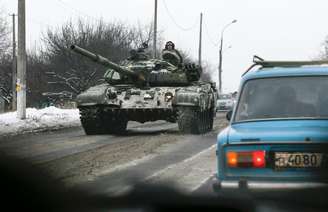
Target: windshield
{"points": [[170, 110], [290, 97]]}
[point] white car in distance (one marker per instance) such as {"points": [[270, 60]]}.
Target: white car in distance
{"points": [[225, 102]]}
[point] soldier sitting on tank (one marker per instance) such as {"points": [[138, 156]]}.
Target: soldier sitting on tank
{"points": [[171, 55]]}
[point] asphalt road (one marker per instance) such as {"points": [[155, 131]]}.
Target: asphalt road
{"points": [[152, 153]]}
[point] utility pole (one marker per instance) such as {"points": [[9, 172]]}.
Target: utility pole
{"points": [[21, 62], [155, 32], [220, 65], [220, 54], [14, 67], [200, 40]]}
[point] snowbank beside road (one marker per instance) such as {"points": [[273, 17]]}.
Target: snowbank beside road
{"points": [[38, 120]]}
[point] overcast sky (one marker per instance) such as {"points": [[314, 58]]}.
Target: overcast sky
{"points": [[272, 29]]}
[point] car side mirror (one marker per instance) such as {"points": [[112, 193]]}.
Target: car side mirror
{"points": [[228, 115]]}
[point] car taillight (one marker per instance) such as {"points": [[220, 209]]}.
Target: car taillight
{"points": [[232, 159], [259, 159], [251, 159]]}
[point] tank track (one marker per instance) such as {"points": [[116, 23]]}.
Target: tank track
{"points": [[96, 121], [193, 121]]}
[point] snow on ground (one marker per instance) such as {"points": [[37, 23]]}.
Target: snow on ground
{"points": [[38, 120]]}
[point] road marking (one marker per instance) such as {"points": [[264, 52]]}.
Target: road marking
{"points": [[125, 165], [189, 174], [182, 162]]}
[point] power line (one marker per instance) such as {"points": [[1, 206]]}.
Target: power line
{"points": [[79, 12], [174, 21], [209, 36]]}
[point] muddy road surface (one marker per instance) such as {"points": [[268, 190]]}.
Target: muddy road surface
{"points": [[155, 153]]}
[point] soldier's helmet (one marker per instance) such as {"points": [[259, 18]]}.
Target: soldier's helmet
{"points": [[169, 45], [171, 55]]}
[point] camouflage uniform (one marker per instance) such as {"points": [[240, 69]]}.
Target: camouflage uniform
{"points": [[171, 55]]}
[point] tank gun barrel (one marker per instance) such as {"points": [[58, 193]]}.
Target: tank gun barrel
{"points": [[105, 62]]}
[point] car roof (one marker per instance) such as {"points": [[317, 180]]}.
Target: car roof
{"points": [[286, 71]]}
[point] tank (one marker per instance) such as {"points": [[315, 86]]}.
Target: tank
{"points": [[142, 89]]}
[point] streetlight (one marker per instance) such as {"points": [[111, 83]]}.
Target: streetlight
{"points": [[220, 54]]}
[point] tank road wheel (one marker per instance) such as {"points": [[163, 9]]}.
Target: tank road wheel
{"points": [[189, 120], [208, 123], [204, 122], [96, 122], [211, 119], [91, 121], [116, 124]]}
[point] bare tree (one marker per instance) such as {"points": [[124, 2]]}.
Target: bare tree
{"points": [[4, 34], [5, 78], [71, 72], [208, 71], [144, 34], [5, 60], [187, 58], [324, 52], [54, 70], [36, 79]]}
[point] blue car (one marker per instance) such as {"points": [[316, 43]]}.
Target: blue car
{"points": [[278, 131]]}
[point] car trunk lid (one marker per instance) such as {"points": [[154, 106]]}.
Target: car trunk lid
{"points": [[280, 131]]}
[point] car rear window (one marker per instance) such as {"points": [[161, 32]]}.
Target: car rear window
{"points": [[287, 97]]}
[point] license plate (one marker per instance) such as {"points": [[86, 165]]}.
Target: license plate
{"points": [[298, 160]]}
